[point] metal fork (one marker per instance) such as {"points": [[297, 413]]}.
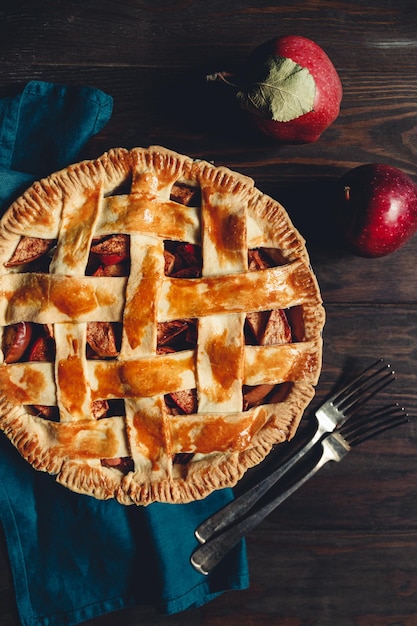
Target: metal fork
{"points": [[334, 447], [340, 406]]}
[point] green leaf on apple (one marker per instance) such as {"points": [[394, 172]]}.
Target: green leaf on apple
{"points": [[282, 92]]}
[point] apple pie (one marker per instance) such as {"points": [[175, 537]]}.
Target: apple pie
{"points": [[161, 326]]}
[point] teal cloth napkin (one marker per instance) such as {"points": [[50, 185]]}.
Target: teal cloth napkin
{"points": [[73, 557]]}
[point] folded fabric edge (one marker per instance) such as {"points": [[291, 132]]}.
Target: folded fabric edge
{"points": [[102, 100], [202, 594], [83, 614], [15, 553], [193, 599]]}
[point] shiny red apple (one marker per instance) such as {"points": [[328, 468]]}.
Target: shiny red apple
{"points": [[377, 209], [290, 88]]}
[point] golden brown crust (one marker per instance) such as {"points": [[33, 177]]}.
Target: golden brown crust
{"points": [[129, 192]]}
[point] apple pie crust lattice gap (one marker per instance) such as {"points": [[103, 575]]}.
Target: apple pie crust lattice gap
{"points": [[161, 326]]}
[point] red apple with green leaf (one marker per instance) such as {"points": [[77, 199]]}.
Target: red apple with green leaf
{"points": [[290, 89], [376, 209]]}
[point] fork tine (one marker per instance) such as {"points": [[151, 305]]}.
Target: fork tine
{"points": [[363, 387], [367, 390], [364, 427], [346, 389]]}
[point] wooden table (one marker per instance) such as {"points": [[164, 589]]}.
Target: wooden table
{"points": [[343, 550]]}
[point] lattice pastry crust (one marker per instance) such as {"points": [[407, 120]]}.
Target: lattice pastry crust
{"points": [[148, 421]]}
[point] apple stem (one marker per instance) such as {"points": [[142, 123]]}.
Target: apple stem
{"points": [[221, 76]]}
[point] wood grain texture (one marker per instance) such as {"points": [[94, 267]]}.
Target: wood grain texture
{"points": [[342, 550]]}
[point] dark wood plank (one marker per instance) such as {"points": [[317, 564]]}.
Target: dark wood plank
{"points": [[355, 578], [153, 34]]}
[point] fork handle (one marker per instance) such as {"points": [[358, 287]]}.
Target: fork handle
{"points": [[207, 556], [237, 508]]}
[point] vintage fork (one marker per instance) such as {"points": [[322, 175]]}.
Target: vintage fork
{"points": [[340, 406], [334, 447]]}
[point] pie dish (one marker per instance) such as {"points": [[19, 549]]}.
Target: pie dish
{"points": [[161, 326]]}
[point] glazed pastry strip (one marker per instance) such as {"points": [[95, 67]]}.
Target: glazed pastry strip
{"points": [[215, 433], [91, 439], [146, 419], [56, 298], [51, 298], [146, 214], [142, 295], [71, 373], [272, 288], [221, 349], [78, 221]]}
